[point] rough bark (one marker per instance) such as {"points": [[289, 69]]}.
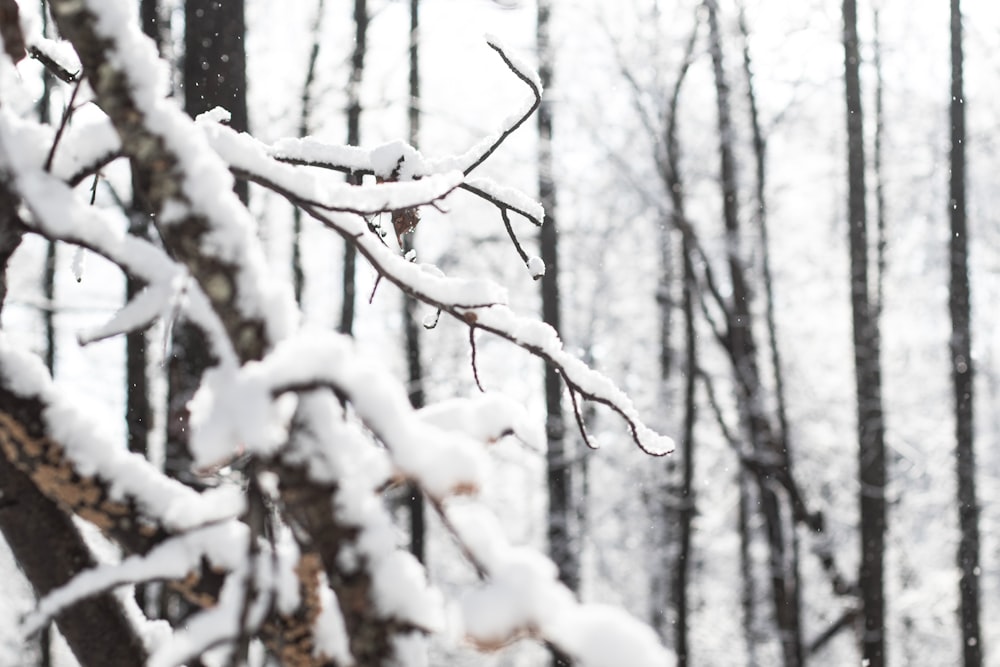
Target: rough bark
{"points": [[962, 371], [50, 550], [868, 374]]}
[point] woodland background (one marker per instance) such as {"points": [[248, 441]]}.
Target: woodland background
{"points": [[704, 263]]}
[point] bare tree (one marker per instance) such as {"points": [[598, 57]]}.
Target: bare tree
{"points": [[962, 371], [414, 362], [558, 459], [354, 139], [868, 372]]}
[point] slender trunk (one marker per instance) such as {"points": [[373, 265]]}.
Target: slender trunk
{"points": [[961, 361], [880, 209], [743, 353], [214, 74], [558, 467], [868, 374], [748, 595], [215, 62], [414, 365], [674, 186], [354, 139], [683, 566], [49, 289], [49, 270], [298, 275], [760, 193]]}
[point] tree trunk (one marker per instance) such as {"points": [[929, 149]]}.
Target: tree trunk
{"points": [[414, 365], [743, 353], [214, 74], [868, 374], [961, 361], [558, 466], [760, 193], [298, 275], [354, 139], [674, 188]]}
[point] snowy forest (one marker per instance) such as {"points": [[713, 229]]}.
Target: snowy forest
{"points": [[509, 333]]}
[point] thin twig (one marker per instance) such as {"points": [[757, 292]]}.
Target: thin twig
{"points": [[578, 415], [475, 369], [67, 114], [513, 128]]}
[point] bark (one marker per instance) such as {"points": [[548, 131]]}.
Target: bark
{"points": [[50, 550], [868, 373], [743, 354], [354, 139], [414, 365], [962, 362], [45, 542]]}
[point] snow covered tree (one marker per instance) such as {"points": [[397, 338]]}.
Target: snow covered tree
{"points": [[278, 536]]}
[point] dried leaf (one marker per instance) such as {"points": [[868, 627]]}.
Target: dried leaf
{"points": [[10, 30]]}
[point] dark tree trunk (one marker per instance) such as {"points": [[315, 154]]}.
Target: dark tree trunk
{"points": [[880, 208], [559, 470], [214, 75], [743, 353], [674, 188], [868, 374], [215, 62], [306, 101], [961, 361], [138, 412], [687, 508], [760, 194], [51, 551], [354, 139], [414, 365], [49, 290]]}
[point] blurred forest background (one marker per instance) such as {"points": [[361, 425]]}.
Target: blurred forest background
{"points": [[760, 212]]}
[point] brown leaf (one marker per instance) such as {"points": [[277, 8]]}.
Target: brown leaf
{"points": [[10, 30]]}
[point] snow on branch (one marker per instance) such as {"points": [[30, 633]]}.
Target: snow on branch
{"points": [[69, 457], [58, 215], [199, 218], [311, 152], [522, 597], [329, 470], [248, 158]]}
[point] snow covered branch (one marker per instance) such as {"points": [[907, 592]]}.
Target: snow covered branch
{"points": [[296, 545]]}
